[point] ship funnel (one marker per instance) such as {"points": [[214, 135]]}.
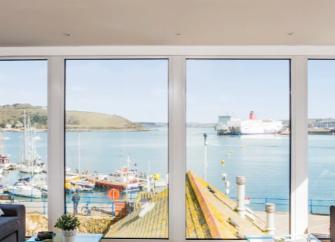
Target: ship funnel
{"points": [[252, 115], [240, 182]]}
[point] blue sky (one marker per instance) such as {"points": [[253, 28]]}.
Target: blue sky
{"points": [[321, 88], [235, 87], [137, 89], [23, 82]]}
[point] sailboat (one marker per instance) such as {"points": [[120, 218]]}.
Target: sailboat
{"points": [[31, 163], [82, 184]]}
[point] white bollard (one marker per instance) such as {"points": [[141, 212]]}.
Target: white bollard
{"points": [[240, 182], [270, 209]]}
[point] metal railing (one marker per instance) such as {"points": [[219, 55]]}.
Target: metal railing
{"points": [[316, 206]]}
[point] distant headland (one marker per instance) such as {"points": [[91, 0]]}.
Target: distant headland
{"points": [[11, 118]]}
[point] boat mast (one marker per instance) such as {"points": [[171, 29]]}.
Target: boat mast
{"points": [[2, 150], [24, 138], [127, 177], [29, 154], [79, 155]]}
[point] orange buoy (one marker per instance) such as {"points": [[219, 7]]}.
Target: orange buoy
{"points": [[113, 194]]}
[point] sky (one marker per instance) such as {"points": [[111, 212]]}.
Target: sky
{"points": [[321, 88], [236, 87], [23, 82], [138, 89], [134, 89]]}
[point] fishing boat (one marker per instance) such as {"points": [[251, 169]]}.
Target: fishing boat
{"points": [[128, 174], [25, 189]]}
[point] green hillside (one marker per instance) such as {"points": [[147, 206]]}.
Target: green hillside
{"points": [[11, 116]]}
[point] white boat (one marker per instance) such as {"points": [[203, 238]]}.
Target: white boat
{"points": [[24, 168], [39, 181], [251, 126], [8, 166], [83, 185], [133, 187], [24, 190]]}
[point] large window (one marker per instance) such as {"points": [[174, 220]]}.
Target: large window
{"points": [[116, 157], [116, 146], [238, 148], [321, 129], [23, 139]]}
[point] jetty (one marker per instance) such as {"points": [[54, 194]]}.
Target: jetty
{"points": [[209, 212]]}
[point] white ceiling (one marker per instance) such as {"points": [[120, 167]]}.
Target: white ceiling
{"points": [[167, 22]]}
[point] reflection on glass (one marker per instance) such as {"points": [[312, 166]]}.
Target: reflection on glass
{"points": [[237, 183], [116, 147], [321, 146], [23, 139]]}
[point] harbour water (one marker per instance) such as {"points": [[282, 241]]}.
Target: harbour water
{"points": [[263, 160]]}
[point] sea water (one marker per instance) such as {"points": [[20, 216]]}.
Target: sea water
{"points": [[263, 159]]}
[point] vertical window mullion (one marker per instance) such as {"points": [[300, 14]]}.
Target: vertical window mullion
{"points": [[299, 165], [55, 139], [177, 147]]}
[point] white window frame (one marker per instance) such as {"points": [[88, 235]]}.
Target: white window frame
{"points": [[177, 56]]}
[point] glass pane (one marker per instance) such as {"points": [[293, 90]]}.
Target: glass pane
{"points": [[23, 139], [238, 148], [321, 146], [117, 146]]}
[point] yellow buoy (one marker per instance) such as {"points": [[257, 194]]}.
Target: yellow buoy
{"points": [[222, 162], [156, 176]]}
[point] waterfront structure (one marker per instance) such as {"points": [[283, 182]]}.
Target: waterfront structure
{"points": [[328, 123], [210, 214], [321, 126]]}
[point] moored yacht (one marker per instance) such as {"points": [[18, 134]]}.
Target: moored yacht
{"points": [[24, 189]]}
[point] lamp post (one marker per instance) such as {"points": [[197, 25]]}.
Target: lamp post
{"points": [[270, 209], [240, 182], [205, 156], [226, 183]]}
